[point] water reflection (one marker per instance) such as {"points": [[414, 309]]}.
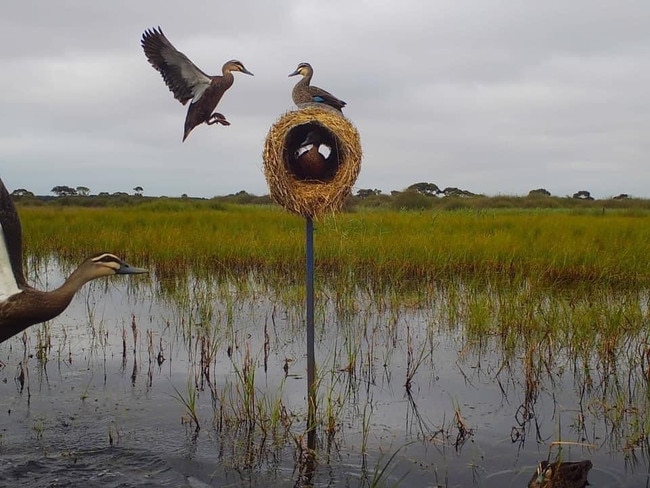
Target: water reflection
{"points": [[456, 386]]}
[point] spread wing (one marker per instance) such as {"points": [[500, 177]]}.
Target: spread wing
{"points": [[11, 250], [183, 78]]}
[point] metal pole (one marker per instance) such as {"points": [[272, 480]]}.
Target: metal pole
{"points": [[311, 362]]}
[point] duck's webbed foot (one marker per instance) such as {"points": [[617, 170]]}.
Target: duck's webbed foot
{"points": [[217, 118]]}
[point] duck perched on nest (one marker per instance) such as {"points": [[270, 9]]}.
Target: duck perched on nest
{"points": [[20, 304], [303, 92], [561, 475], [187, 82]]}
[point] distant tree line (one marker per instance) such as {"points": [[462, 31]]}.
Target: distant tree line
{"points": [[433, 190], [68, 191], [425, 195], [418, 196]]}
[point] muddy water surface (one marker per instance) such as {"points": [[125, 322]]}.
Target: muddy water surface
{"points": [[104, 396]]}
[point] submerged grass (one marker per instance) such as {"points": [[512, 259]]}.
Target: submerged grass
{"points": [[381, 249], [561, 289]]}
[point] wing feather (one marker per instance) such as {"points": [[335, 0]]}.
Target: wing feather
{"points": [[183, 78], [323, 96]]}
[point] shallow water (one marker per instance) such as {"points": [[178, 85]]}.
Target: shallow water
{"points": [[97, 408]]}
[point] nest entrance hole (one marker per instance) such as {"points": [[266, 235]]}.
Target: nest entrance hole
{"points": [[312, 152]]}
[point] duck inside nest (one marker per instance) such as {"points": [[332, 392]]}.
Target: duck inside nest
{"points": [[312, 152]]}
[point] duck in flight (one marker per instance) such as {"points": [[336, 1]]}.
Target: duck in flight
{"points": [[22, 305], [187, 82]]}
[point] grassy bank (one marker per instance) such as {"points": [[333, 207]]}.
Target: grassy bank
{"points": [[384, 247]]}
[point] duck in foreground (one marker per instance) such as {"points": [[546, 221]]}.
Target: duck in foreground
{"points": [[20, 304], [187, 82], [303, 92], [561, 475]]}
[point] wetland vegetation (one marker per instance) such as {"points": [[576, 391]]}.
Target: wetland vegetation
{"points": [[457, 345]]}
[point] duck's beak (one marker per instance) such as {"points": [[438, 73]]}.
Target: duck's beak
{"points": [[245, 71], [297, 72], [128, 269]]}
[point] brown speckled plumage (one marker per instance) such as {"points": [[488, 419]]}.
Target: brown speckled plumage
{"points": [[187, 82], [303, 93]]}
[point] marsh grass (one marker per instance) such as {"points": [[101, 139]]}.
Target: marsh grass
{"points": [[549, 292], [243, 409], [190, 403], [383, 250]]}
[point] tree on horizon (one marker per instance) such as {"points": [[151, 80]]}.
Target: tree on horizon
{"points": [[63, 191]]}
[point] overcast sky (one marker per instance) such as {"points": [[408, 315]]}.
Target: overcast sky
{"points": [[493, 97]]}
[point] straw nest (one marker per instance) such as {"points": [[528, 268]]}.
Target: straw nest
{"points": [[312, 193]]}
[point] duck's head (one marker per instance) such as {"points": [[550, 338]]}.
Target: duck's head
{"points": [[234, 65], [313, 137], [303, 69], [107, 264]]}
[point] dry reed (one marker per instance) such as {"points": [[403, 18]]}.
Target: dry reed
{"points": [[312, 197]]}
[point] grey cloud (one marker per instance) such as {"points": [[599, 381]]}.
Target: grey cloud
{"points": [[496, 98]]}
